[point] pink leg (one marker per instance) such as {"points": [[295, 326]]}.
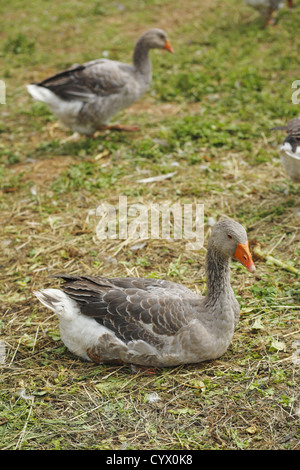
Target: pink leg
{"points": [[119, 127], [270, 20], [144, 369]]}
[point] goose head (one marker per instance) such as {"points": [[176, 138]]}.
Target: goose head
{"points": [[229, 238], [156, 38]]}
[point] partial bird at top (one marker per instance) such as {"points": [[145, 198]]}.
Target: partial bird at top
{"points": [[290, 149], [267, 8], [85, 97]]}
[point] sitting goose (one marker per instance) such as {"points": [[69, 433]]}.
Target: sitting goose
{"points": [[151, 322], [290, 150], [85, 97], [267, 8]]}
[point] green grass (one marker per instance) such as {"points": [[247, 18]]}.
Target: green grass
{"points": [[206, 117]]}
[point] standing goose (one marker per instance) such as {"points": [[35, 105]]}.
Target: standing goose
{"points": [[85, 97], [151, 322], [290, 150], [267, 8]]}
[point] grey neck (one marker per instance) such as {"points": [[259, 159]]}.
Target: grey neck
{"points": [[217, 269], [141, 59]]}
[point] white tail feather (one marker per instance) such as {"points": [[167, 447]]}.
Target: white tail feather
{"points": [[40, 93], [59, 302]]}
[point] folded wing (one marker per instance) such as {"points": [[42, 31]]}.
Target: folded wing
{"points": [[83, 82], [133, 308]]}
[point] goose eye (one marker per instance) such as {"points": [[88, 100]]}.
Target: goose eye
{"points": [[229, 236]]}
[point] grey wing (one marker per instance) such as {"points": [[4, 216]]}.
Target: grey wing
{"points": [[129, 308], [149, 284], [293, 127], [83, 82]]}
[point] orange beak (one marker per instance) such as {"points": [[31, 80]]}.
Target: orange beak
{"points": [[168, 46], [243, 254]]}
